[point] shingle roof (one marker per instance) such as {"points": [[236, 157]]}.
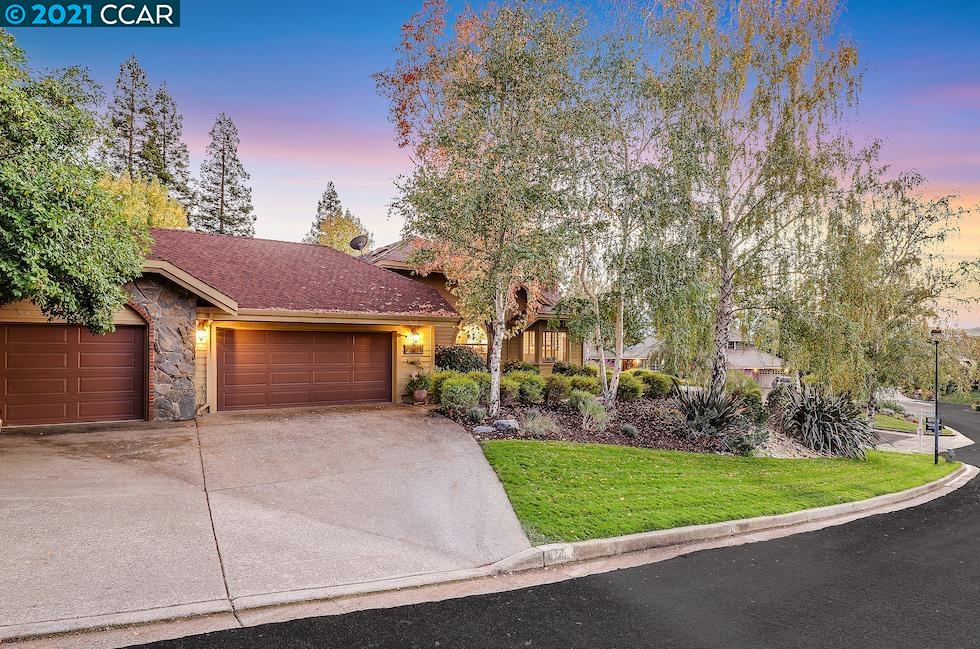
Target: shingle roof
{"points": [[281, 275]]}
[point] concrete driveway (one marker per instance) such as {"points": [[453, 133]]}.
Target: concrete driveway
{"points": [[136, 524]]}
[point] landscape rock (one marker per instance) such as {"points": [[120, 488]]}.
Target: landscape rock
{"points": [[482, 430], [506, 424]]}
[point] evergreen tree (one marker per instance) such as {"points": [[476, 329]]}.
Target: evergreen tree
{"points": [[334, 226], [126, 121], [225, 200], [164, 156]]}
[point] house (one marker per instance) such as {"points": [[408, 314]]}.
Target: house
{"points": [[541, 343], [638, 355], [762, 366], [219, 322]]}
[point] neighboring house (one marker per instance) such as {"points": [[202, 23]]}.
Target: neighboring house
{"points": [[638, 355], [226, 323], [762, 366], [539, 343]]}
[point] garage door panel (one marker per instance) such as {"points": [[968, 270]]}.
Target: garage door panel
{"points": [[53, 374], [303, 368], [243, 336], [243, 357]]}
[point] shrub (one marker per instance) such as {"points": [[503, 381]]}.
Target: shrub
{"points": [[709, 411], [476, 414], [459, 394], [437, 378], [891, 404], [629, 430], [746, 443], [509, 389], [777, 399], [744, 386], [589, 370], [419, 381], [482, 379], [578, 396], [460, 358], [530, 386], [630, 388], [828, 423], [519, 366], [587, 384], [537, 424], [594, 414], [557, 387], [656, 385]]}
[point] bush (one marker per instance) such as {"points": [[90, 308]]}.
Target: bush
{"points": [[419, 381], [459, 394], [537, 424], [482, 379], [509, 389], [656, 385], [746, 443], [630, 388], [578, 396], [586, 384], [777, 399], [590, 370], [594, 414], [557, 387], [519, 366], [629, 430], [748, 390], [891, 404], [828, 423], [712, 412], [476, 415], [460, 358], [530, 386], [437, 378]]}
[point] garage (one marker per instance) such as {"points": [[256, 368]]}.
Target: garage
{"points": [[58, 374], [282, 368]]}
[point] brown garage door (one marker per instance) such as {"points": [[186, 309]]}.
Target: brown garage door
{"points": [[270, 369], [56, 374]]}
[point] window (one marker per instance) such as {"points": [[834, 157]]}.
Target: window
{"points": [[474, 337], [529, 348], [554, 346]]}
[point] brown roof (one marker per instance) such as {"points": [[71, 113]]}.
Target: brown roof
{"points": [[396, 253], [281, 275]]}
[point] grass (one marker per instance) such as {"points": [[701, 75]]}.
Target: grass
{"points": [[962, 398], [568, 492], [888, 422]]}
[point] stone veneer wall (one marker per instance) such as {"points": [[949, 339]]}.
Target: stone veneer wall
{"points": [[173, 315]]}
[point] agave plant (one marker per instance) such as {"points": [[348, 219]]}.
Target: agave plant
{"points": [[711, 411], [829, 423]]}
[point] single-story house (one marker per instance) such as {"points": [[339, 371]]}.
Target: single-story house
{"points": [[638, 355], [219, 322], [544, 341]]}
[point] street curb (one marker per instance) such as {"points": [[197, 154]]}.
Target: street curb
{"points": [[536, 557]]}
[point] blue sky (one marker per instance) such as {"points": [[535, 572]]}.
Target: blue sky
{"points": [[297, 82]]}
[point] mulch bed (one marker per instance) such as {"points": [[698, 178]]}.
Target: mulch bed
{"points": [[659, 425]]}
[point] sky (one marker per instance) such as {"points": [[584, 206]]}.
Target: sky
{"points": [[297, 82]]}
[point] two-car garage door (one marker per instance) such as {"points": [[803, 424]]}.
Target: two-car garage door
{"points": [[282, 368]]}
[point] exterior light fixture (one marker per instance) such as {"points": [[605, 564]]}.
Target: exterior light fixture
{"points": [[202, 333], [413, 342]]}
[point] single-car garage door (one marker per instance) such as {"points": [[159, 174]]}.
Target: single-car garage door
{"points": [[56, 374], [280, 368]]}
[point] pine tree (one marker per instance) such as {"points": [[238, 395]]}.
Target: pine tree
{"points": [[334, 226], [164, 156], [127, 117], [225, 200]]}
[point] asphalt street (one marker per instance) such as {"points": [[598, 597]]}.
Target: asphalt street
{"points": [[905, 579]]}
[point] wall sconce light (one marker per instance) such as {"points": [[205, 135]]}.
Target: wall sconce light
{"points": [[413, 342], [202, 333]]}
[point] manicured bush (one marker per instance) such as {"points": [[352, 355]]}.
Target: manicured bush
{"points": [[557, 387], [483, 380], [509, 389], [578, 396], [531, 386], [710, 411], [459, 394], [828, 423], [630, 388], [656, 385], [476, 415], [590, 369], [437, 378], [587, 384], [519, 366], [460, 358], [537, 424]]}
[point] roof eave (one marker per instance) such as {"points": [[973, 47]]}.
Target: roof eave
{"points": [[175, 274]]}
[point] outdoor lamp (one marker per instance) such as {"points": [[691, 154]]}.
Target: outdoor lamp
{"points": [[202, 333]]}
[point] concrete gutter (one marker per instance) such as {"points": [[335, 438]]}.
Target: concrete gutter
{"points": [[536, 565]]}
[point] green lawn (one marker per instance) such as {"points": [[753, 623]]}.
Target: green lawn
{"points": [[567, 492], [963, 398], [887, 422]]}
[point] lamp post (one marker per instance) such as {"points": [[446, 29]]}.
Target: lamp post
{"points": [[936, 335]]}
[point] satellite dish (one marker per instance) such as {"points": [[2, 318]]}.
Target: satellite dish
{"points": [[359, 242]]}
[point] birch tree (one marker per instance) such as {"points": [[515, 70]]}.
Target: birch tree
{"points": [[482, 108], [754, 145]]}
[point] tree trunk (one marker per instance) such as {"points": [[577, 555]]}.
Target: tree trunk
{"points": [[496, 347], [618, 350], [723, 323]]}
